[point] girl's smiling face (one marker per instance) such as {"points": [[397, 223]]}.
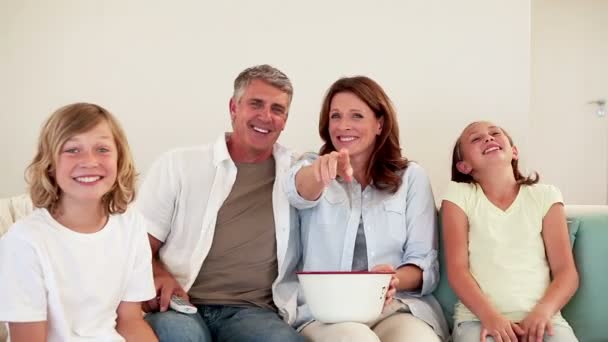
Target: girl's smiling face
{"points": [[483, 145]]}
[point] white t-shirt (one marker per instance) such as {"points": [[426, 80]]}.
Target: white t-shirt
{"points": [[74, 281]]}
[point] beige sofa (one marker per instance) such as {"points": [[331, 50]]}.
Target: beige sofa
{"points": [[585, 311], [11, 209]]}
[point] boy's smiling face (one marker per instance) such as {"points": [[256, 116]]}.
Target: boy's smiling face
{"points": [[87, 165]]}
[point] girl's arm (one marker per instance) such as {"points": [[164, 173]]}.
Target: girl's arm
{"points": [[130, 323], [563, 271], [455, 238], [559, 254], [28, 331]]}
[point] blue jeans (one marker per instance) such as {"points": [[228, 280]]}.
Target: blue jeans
{"points": [[469, 331], [222, 324]]}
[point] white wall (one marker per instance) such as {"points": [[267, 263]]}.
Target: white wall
{"points": [[569, 54], [166, 68]]}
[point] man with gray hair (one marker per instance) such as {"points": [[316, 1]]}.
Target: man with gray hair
{"points": [[223, 235]]}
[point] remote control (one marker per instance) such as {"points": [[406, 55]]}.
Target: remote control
{"points": [[180, 305]]}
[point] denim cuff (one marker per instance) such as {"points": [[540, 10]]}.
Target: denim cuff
{"points": [[293, 196]]}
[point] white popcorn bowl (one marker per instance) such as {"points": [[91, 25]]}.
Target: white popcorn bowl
{"points": [[335, 297]]}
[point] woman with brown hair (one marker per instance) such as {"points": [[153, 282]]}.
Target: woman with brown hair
{"points": [[363, 206]]}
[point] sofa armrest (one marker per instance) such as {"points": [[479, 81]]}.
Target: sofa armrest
{"points": [[12, 209]]}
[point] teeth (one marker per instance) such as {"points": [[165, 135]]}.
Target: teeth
{"points": [[261, 130], [347, 138], [88, 179], [491, 149]]}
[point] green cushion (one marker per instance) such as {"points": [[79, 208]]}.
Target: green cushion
{"points": [[587, 311], [573, 225], [447, 298], [444, 294]]}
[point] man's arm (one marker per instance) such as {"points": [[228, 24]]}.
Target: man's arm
{"points": [[130, 323], [165, 283]]}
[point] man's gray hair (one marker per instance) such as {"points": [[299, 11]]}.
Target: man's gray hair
{"points": [[266, 73]]}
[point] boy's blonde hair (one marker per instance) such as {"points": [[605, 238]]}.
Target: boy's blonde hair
{"points": [[63, 124]]}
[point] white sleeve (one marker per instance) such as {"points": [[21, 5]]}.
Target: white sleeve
{"points": [[22, 287], [157, 197], [140, 282]]}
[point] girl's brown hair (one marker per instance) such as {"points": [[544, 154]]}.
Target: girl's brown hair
{"points": [[386, 164], [460, 177], [63, 124]]}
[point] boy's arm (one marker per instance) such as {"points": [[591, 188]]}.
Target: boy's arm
{"points": [[455, 240], [23, 294], [130, 323], [28, 331]]}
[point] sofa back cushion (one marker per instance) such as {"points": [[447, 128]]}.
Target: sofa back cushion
{"points": [[587, 311], [12, 209]]}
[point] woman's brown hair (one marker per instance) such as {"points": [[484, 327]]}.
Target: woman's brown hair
{"points": [[386, 164], [460, 177], [63, 124]]}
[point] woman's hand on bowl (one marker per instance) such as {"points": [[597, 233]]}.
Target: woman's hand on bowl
{"points": [[392, 289]]}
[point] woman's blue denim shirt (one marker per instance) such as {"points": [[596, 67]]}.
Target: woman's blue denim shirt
{"points": [[400, 229]]}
